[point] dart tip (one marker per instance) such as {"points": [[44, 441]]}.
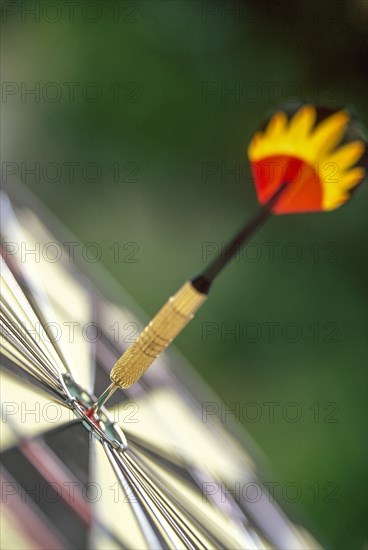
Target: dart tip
{"points": [[102, 399]]}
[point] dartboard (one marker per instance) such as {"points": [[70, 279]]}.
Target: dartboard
{"points": [[159, 470]]}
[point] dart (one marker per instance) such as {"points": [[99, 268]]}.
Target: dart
{"points": [[172, 467], [309, 160]]}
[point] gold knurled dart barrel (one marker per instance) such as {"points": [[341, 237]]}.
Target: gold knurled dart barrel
{"points": [[164, 327]]}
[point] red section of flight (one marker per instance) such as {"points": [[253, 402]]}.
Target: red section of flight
{"points": [[304, 192]]}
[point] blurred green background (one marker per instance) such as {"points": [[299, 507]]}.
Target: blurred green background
{"points": [[180, 88]]}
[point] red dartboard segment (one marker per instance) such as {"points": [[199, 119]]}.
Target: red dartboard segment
{"points": [[305, 189]]}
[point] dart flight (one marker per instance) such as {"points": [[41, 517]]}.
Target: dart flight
{"points": [[312, 157]]}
